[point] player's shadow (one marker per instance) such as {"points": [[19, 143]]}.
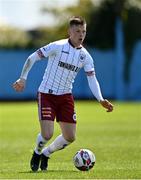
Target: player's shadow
{"points": [[49, 171]]}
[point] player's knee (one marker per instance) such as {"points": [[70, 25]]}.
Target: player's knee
{"points": [[47, 136], [70, 138]]}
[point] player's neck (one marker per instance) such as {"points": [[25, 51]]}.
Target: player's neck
{"points": [[74, 45]]}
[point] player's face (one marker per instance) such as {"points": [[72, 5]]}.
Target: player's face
{"points": [[77, 34]]}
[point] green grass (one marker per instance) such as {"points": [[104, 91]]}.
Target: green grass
{"points": [[115, 138]]}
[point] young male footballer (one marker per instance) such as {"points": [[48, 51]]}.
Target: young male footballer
{"points": [[55, 100]]}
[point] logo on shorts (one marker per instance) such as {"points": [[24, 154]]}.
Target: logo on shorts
{"points": [[74, 116]]}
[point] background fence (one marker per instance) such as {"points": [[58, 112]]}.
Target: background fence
{"points": [[107, 69]]}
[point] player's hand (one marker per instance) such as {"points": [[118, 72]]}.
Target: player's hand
{"points": [[106, 104], [19, 85]]}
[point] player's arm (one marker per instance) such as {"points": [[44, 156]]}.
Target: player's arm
{"points": [[95, 88], [41, 53], [19, 85]]}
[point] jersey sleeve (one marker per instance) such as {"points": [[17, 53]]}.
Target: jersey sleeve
{"points": [[47, 50], [89, 64]]}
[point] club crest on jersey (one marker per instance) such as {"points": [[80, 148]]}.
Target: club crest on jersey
{"points": [[82, 57]]}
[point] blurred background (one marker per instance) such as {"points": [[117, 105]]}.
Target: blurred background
{"points": [[113, 39]]}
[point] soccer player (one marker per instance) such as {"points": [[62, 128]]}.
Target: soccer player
{"points": [[55, 100]]}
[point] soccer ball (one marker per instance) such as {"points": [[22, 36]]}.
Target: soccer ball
{"points": [[84, 159]]}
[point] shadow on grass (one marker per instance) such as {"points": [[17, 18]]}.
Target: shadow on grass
{"points": [[49, 171]]}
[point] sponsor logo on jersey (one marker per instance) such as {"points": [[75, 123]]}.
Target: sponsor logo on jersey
{"points": [[68, 66], [66, 52]]}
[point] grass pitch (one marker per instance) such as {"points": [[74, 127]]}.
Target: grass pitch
{"points": [[115, 138]]}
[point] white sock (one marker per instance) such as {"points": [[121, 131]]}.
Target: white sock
{"points": [[40, 144], [58, 144]]}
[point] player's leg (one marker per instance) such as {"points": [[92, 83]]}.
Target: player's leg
{"points": [[47, 128], [46, 116], [66, 113], [63, 140], [67, 137], [68, 131]]}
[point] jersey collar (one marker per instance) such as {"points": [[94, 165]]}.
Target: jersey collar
{"points": [[73, 45]]}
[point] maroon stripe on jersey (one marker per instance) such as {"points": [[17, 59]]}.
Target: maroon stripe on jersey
{"points": [[70, 71], [77, 66], [63, 69], [49, 72], [90, 73], [57, 68], [40, 54]]}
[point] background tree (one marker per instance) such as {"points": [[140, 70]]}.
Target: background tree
{"points": [[12, 38], [100, 18]]}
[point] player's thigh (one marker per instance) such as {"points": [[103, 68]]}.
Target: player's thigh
{"points": [[68, 130], [46, 107], [66, 110], [47, 128]]}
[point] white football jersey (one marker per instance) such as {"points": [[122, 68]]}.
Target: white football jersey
{"points": [[64, 62]]}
